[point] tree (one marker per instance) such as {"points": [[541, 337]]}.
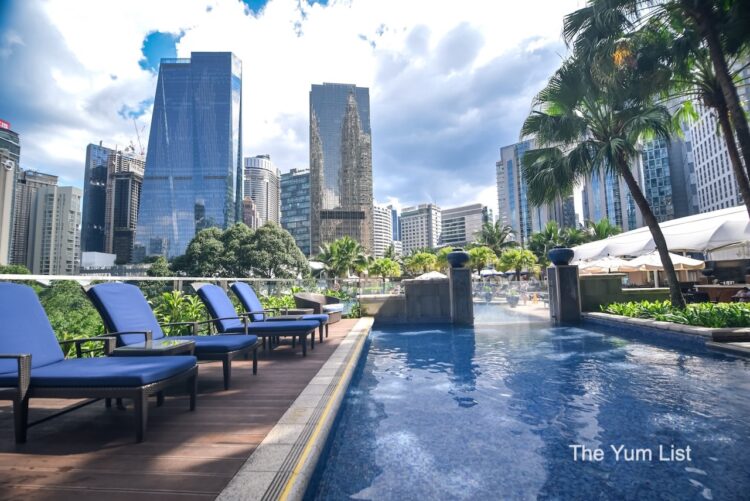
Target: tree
{"points": [[70, 312], [584, 126], [601, 229], [159, 268], [706, 35], [517, 260], [390, 252], [441, 257], [420, 262], [272, 253], [14, 269], [204, 255], [238, 260], [343, 256], [496, 236], [385, 268], [481, 257], [542, 241]]}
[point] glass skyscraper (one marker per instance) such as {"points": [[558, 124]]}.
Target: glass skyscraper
{"points": [[295, 207], [94, 198], [193, 176], [340, 164]]}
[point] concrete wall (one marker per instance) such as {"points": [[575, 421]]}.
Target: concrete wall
{"points": [[598, 290], [424, 301]]}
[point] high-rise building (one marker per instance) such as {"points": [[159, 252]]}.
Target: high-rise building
{"points": [[606, 196], [193, 176], [54, 245], [382, 222], [27, 184], [7, 187], [514, 206], [295, 208], [420, 227], [460, 225], [125, 171], [666, 180], [10, 156], [340, 164], [262, 185], [94, 198], [250, 215], [395, 223]]}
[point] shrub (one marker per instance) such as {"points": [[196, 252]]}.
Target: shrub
{"points": [[176, 306], [700, 314]]}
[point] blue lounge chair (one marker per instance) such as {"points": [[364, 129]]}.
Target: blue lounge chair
{"points": [[124, 308], [222, 311], [33, 365], [249, 299]]}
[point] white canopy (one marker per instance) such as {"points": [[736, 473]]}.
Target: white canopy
{"points": [[604, 265], [432, 275], [652, 262], [699, 233]]}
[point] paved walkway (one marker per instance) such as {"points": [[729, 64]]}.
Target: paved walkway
{"points": [[90, 453]]}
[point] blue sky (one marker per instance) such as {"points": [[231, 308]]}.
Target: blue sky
{"points": [[450, 83]]}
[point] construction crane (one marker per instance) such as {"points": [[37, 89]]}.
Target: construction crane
{"points": [[138, 133]]}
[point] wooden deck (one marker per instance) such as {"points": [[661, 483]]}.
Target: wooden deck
{"points": [[90, 453]]}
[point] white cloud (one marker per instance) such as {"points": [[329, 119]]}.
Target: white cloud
{"points": [[449, 82]]}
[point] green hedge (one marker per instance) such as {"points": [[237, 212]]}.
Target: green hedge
{"points": [[700, 314]]}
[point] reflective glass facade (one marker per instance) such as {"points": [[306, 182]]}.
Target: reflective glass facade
{"points": [[94, 198], [657, 179], [193, 176], [340, 164], [295, 207]]}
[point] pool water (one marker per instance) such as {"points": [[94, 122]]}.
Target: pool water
{"points": [[494, 412]]}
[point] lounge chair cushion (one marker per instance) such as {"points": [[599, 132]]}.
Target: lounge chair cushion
{"points": [[220, 344], [124, 308], [220, 306], [322, 319], [248, 298], [288, 327], [333, 308], [24, 328], [105, 372]]}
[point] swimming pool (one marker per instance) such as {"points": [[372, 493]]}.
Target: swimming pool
{"points": [[498, 412]]}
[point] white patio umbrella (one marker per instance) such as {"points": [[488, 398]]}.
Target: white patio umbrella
{"points": [[652, 262], [607, 264]]}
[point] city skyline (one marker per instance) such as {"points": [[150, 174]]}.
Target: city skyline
{"points": [[445, 86]]}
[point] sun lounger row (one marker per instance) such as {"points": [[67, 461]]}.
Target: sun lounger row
{"points": [[32, 363]]}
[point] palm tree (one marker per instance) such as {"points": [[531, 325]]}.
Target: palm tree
{"points": [[542, 241], [720, 28], [496, 236], [420, 262], [385, 268], [342, 256], [584, 126], [517, 260], [601, 229], [481, 257]]}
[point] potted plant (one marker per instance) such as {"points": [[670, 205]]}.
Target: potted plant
{"points": [[560, 256], [457, 258], [512, 297]]}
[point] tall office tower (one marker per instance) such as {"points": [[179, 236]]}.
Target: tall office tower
{"points": [[262, 185], [94, 198], [460, 225], [125, 170], [7, 187], [250, 215], [514, 207], [10, 156], [488, 215], [382, 223], [27, 184], [54, 240], [607, 196], [666, 180], [340, 164], [295, 208], [193, 174], [420, 227], [395, 223]]}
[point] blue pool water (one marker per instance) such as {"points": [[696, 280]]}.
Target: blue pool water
{"points": [[492, 413]]}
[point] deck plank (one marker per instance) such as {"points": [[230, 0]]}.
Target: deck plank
{"points": [[91, 454]]}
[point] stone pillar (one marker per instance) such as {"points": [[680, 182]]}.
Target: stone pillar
{"points": [[564, 294], [462, 305]]}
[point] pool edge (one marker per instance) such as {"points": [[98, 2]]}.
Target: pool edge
{"points": [[283, 464]]}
